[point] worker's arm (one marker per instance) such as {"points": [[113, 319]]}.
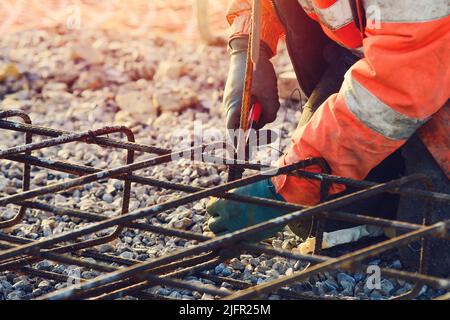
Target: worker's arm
{"points": [[402, 81], [239, 17], [264, 87]]}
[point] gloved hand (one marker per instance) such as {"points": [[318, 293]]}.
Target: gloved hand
{"points": [[264, 89], [229, 216]]}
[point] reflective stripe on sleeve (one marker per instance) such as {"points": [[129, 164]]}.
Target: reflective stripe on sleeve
{"points": [[337, 15], [377, 115], [408, 10]]}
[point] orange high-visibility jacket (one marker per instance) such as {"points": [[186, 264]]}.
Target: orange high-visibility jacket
{"points": [[401, 83]]}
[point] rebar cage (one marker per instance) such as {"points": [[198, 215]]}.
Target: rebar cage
{"points": [[126, 277]]}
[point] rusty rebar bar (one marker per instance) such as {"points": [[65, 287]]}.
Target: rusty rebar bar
{"points": [[26, 167]]}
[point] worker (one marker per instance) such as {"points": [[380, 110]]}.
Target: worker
{"points": [[377, 76]]}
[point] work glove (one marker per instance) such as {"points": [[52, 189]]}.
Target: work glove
{"points": [[229, 216], [264, 88]]}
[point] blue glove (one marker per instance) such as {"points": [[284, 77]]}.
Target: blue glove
{"points": [[229, 216]]}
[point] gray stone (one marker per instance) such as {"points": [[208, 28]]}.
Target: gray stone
{"points": [[108, 198], [331, 285], [23, 286], [277, 244], [164, 292], [44, 285], [128, 240], [423, 291], [219, 269], [320, 288], [289, 272], [280, 267], [142, 257], [227, 285], [9, 214], [60, 268], [359, 276], [88, 275], [106, 248], [226, 272], [376, 295], [126, 255], [176, 295], [43, 265], [298, 265], [397, 264], [260, 281], [182, 224], [346, 281], [387, 287], [288, 244], [6, 286], [38, 292], [237, 264], [359, 289], [16, 295], [60, 286]]}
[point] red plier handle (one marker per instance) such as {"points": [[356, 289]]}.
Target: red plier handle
{"points": [[255, 115], [254, 118]]}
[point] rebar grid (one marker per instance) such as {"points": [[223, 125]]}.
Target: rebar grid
{"points": [[133, 277]]}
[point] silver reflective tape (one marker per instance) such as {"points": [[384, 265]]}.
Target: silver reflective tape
{"points": [[376, 115], [307, 5], [337, 15], [407, 10]]}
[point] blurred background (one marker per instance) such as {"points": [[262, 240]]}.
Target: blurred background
{"points": [[155, 66], [169, 17], [140, 63], [102, 62]]}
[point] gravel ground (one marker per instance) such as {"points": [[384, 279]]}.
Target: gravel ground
{"points": [[152, 86]]}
